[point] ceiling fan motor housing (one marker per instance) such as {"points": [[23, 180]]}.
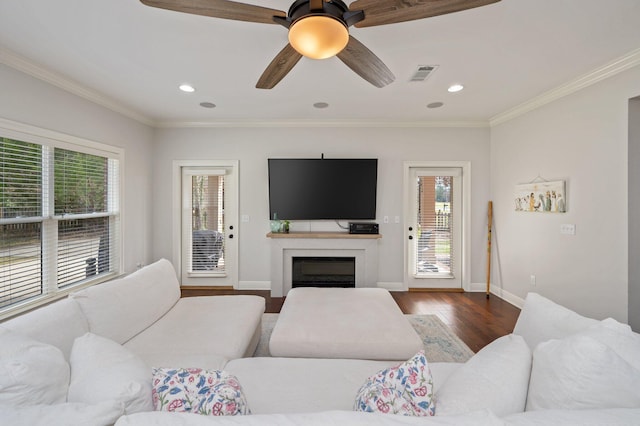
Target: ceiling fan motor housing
{"points": [[333, 8]]}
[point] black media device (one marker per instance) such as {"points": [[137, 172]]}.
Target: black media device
{"points": [[323, 189], [363, 228]]}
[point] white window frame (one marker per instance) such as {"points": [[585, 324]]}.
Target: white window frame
{"points": [[52, 139]]}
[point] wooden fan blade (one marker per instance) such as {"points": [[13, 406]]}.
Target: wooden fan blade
{"points": [[278, 68], [381, 12], [364, 63], [219, 9]]}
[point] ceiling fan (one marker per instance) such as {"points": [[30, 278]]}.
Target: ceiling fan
{"points": [[318, 29]]}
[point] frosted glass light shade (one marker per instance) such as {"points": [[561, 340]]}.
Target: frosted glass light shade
{"points": [[318, 37]]}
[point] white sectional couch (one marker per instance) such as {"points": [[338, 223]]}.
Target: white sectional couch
{"points": [[141, 314], [86, 361]]}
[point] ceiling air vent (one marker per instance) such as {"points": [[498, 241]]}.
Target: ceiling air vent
{"points": [[423, 72]]}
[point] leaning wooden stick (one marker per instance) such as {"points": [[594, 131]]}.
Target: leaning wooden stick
{"points": [[490, 217]]}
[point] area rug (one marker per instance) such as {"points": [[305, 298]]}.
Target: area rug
{"points": [[440, 343]]}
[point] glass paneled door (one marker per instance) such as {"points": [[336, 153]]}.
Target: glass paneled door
{"points": [[209, 241], [434, 228]]}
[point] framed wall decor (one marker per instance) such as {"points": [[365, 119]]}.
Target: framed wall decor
{"points": [[541, 197]]}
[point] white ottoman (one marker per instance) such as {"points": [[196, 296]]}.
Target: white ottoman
{"points": [[357, 323]]}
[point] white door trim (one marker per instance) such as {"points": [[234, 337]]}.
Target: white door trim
{"points": [[176, 207], [466, 213]]}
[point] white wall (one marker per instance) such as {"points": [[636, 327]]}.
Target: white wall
{"points": [[634, 213], [581, 138], [31, 101], [252, 147]]}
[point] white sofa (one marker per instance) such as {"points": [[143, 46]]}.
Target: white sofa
{"points": [[557, 368]]}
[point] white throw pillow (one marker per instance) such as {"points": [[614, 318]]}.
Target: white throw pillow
{"points": [[580, 372], [496, 378], [67, 414], [31, 372], [618, 337], [103, 370], [541, 320]]}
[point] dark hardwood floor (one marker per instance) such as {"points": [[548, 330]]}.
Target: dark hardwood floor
{"points": [[475, 319]]}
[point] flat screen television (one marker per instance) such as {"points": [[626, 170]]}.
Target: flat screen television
{"points": [[323, 189]]}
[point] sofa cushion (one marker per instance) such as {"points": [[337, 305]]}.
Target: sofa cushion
{"points": [[581, 372], [323, 418], [226, 326], [496, 377], [57, 324], [103, 370], [31, 372], [405, 389], [198, 391], [541, 320], [295, 385], [595, 417], [272, 385], [66, 414], [122, 308]]}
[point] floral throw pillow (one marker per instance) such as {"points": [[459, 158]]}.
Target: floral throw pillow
{"points": [[194, 390], [406, 389]]}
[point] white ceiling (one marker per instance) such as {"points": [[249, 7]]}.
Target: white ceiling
{"points": [[132, 58]]}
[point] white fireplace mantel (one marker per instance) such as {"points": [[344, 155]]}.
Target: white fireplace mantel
{"points": [[364, 247]]}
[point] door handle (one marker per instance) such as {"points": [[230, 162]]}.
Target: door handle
{"points": [[230, 235], [411, 237]]}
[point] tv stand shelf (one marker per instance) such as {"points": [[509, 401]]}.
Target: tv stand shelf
{"points": [[322, 235]]}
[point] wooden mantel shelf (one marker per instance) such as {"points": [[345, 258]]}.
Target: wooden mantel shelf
{"points": [[322, 235]]}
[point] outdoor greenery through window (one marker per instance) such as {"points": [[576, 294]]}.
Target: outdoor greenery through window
{"points": [[59, 219]]}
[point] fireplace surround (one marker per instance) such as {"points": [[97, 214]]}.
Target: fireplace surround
{"points": [[284, 247]]}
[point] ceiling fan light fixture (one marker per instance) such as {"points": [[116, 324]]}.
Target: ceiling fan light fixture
{"points": [[318, 36]]}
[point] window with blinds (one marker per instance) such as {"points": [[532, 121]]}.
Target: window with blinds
{"points": [[207, 223], [59, 220], [21, 224], [434, 224]]}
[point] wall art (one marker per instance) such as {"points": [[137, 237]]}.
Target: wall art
{"points": [[541, 197]]}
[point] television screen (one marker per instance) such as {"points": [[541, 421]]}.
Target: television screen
{"points": [[316, 189]]}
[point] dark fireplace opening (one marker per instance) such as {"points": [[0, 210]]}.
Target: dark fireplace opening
{"points": [[323, 272]]}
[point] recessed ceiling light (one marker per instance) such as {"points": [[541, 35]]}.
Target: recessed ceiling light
{"points": [[435, 105], [187, 88], [207, 105], [320, 105], [455, 88]]}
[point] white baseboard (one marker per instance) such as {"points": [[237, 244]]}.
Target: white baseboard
{"points": [[502, 294], [392, 286], [254, 285]]}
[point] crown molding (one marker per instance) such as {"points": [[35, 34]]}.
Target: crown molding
{"points": [[26, 66], [630, 60], [20, 63], [320, 124]]}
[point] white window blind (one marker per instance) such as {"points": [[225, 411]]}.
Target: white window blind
{"points": [[84, 209], [21, 228], [59, 219], [435, 254], [207, 222]]}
